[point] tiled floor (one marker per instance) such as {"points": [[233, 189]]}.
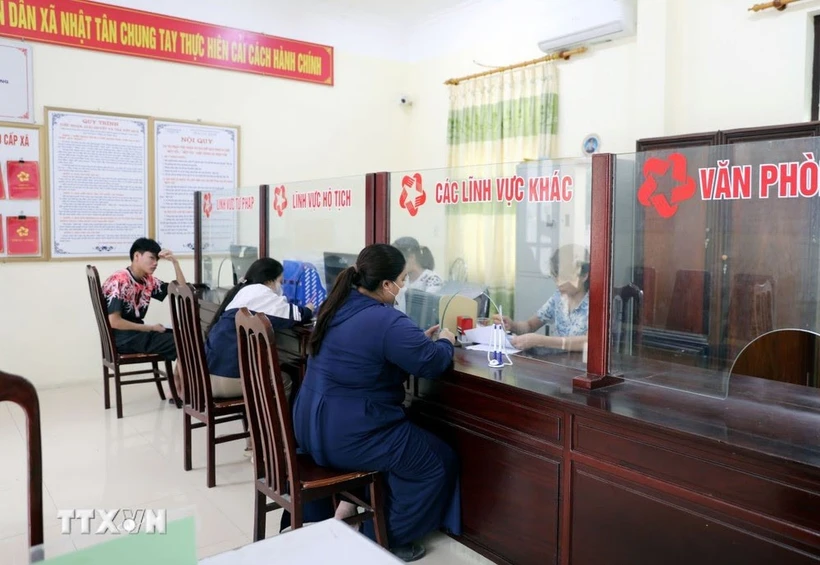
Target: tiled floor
{"points": [[93, 460]]}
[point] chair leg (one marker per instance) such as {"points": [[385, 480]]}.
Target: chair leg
{"points": [[245, 425], [186, 438], [260, 515], [211, 453], [296, 517], [172, 385], [107, 387], [377, 503], [118, 390], [158, 380]]}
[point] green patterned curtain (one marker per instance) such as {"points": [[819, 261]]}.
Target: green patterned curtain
{"points": [[495, 123]]}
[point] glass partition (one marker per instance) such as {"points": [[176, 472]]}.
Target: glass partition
{"points": [[319, 226], [507, 241], [715, 267], [230, 238]]}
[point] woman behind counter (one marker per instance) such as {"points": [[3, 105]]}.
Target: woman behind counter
{"points": [[349, 415], [420, 268], [567, 309]]}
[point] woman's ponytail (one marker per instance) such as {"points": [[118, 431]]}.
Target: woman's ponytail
{"points": [[376, 263], [345, 282]]}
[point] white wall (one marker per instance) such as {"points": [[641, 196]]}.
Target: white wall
{"points": [[733, 68], [290, 131], [694, 65]]}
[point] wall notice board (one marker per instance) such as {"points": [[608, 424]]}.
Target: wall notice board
{"points": [[190, 157], [98, 182], [115, 177], [22, 198]]}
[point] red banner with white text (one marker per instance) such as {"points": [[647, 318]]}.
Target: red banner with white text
{"points": [[102, 27]]}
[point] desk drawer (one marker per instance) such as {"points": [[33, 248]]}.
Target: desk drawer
{"points": [[729, 480], [545, 425]]}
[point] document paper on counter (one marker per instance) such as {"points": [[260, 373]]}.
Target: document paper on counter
{"points": [[483, 337]]}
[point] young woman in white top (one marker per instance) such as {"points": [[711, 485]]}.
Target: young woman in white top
{"points": [[259, 291]]}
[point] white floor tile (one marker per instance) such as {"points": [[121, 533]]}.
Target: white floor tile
{"points": [[216, 549], [93, 460], [15, 550]]}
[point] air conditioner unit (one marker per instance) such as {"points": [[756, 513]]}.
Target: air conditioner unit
{"points": [[584, 22]]}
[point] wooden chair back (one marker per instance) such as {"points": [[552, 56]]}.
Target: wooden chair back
{"points": [[22, 392], [763, 308], [627, 305], [689, 305], [269, 417], [788, 356], [107, 344], [745, 319], [190, 344]]}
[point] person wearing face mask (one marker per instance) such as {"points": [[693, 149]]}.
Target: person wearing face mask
{"points": [[349, 415], [420, 265], [567, 310], [259, 291]]}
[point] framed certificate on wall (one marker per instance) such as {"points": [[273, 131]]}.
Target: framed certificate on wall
{"points": [[16, 82], [23, 202]]}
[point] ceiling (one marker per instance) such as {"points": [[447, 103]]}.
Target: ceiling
{"points": [[389, 29], [406, 13]]}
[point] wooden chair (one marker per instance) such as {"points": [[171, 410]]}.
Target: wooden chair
{"points": [[22, 392], [198, 400], [289, 478], [112, 360], [627, 302]]}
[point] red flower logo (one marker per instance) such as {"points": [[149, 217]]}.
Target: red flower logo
{"points": [[280, 200], [656, 167], [408, 184], [207, 207]]}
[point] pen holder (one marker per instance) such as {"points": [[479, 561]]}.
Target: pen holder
{"points": [[497, 356]]}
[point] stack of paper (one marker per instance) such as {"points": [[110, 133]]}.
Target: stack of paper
{"points": [[483, 338]]}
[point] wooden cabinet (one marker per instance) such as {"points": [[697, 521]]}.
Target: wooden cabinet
{"points": [[510, 456], [701, 268], [629, 474]]}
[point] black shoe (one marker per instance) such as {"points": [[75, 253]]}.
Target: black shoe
{"points": [[409, 552]]}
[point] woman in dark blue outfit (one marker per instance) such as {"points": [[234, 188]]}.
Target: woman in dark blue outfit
{"points": [[349, 415]]}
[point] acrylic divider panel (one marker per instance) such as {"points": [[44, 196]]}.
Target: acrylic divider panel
{"points": [[716, 265], [502, 236], [321, 223], [230, 236]]}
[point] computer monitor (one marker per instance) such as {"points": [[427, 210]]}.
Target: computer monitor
{"points": [[335, 263], [422, 307], [242, 257]]}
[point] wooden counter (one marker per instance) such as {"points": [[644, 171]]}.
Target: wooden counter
{"points": [[629, 474], [637, 473]]}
